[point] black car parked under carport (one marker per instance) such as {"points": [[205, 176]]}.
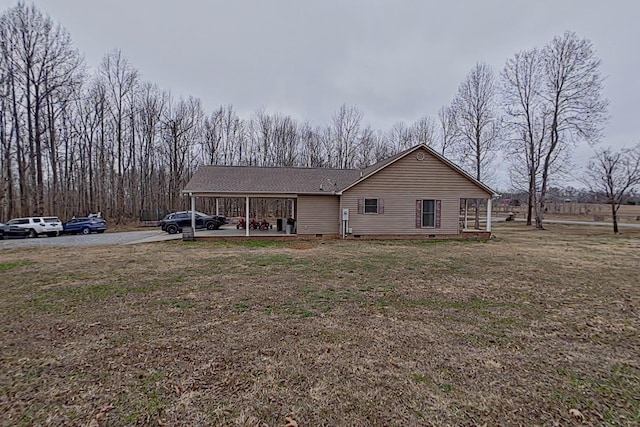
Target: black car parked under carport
{"points": [[12, 232], [174, 222]]}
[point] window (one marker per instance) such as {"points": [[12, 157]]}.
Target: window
{"points": [[428, 213], [371, 206]]}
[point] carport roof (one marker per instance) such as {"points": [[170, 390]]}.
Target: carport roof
{"points": [[270, 180]]}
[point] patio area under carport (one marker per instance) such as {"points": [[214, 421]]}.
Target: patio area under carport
{"points": [[280, 226]]}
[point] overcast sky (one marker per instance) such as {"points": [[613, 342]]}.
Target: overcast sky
{"points": [[396, 60]]}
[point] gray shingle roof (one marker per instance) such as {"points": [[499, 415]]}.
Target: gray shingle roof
{"points": [[251, 179], [292, 180]]}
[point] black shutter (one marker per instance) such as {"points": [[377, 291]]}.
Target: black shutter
{"points": [[380, 206]]}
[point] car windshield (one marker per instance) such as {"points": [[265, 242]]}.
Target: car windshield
{"points": [[51, 219]]}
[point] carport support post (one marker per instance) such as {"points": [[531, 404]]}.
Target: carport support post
{"points": [[246, 214], [489, 215], [217, 207], [193, 213], [466, 213]]}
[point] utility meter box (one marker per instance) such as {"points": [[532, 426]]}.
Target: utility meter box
{"points": [[345, 214]]}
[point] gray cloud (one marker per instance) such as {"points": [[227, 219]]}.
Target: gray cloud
{"points": [[396, 60]]}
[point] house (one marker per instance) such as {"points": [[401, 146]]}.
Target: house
{"points": [[415, 193]]}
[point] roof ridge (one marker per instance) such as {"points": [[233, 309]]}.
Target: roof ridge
{"points": [[280, 167]]}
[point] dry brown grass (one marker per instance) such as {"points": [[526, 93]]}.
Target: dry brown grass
{"points": [[516, 331]]}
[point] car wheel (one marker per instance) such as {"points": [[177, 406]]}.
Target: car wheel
{"points": [[32, 233], [86, 231], [211, 225], [172, 229]]}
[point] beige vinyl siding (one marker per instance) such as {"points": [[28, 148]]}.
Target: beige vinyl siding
{"points": [[400, 185], [318, 215]]}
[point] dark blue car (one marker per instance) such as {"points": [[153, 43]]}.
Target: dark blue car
{"points": [[12, 232], [84, 226]]}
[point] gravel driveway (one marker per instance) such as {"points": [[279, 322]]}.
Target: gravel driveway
{"points": [[122, 238]]}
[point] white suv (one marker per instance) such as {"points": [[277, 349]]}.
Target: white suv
{"points": [[49, 225]]}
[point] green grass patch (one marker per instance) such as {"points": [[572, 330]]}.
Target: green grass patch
{"points": [[6, 266], [251, 243], [241, 307]]}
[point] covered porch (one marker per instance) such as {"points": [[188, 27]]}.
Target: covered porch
{"points": [[475, 215]]}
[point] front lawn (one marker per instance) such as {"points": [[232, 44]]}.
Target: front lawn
{"points": [[531, 328]]}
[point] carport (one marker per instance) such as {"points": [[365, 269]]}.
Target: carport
{"points": [[290, 199], [309, 194]]}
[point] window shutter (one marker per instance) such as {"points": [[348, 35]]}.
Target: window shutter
{"points": [[380, 206], [418, 213], [360, 206], [438, 206]]}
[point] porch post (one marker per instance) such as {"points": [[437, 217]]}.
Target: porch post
{"points": [[246, 222], [466, 213], [193, 214], [293, 213], [489, 215], [217, 207]]}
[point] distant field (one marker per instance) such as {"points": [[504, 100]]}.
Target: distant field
{"points": [[519, 330], [581, 211]]}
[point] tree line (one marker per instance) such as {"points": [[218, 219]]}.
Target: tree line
{"points": [[74, 141]]}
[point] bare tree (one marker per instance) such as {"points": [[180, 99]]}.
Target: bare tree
{"points": [[614, 173], [152, 104], [526, 119], [423, 131], [312, 152], [572, 90], [448, 129], [475, 109], [181, 126], [41, 65], [399, 137], [346, 130], [120, 80]]}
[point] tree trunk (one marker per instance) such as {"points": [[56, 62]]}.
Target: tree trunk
{"points": [[532, 193], [614, 214]]}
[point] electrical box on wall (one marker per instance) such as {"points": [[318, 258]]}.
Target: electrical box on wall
{"points": [[345, 214]]}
